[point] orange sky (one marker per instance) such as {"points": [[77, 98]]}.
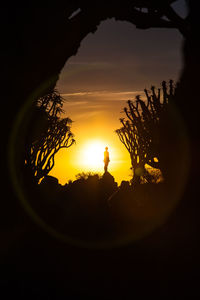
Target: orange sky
{"points": [[96, 117], [113, 65]]}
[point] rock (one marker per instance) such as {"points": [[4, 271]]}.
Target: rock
{"points": [[49, 180]]}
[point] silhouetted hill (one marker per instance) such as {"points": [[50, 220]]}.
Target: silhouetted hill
{"points": [[79, 208], [93, 209]]}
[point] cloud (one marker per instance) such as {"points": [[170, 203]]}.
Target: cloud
{"points": [[74, 103], [90, 63], [85, 105], [108, 95], [87, 115], [77, 94], [91, 106]]}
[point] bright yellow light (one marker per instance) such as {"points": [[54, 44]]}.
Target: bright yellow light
{"points": [[92, 155]]}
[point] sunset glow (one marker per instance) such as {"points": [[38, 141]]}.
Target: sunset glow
{"points": [[100, 146], [92, 154], [95, 119], [96, 84]]}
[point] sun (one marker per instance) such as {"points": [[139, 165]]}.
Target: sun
{"points": [[93, 154]]}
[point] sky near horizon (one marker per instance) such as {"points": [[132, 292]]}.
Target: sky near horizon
{"points": [[112, 66]]}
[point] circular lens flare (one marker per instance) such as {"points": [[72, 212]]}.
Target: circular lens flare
{"points": [[134, 217]]}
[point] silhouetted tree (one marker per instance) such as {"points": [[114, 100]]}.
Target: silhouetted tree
{"points": [[37, 41], [68, 23], [141, 132], [47, 135]]}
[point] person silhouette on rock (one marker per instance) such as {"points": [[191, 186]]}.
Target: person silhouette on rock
{"points": [[106, 159]]}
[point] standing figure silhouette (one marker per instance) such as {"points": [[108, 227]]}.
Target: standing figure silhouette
{"points": [[106, 159]]}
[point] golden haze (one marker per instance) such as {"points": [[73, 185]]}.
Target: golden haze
{"points": [[95, 118]]}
